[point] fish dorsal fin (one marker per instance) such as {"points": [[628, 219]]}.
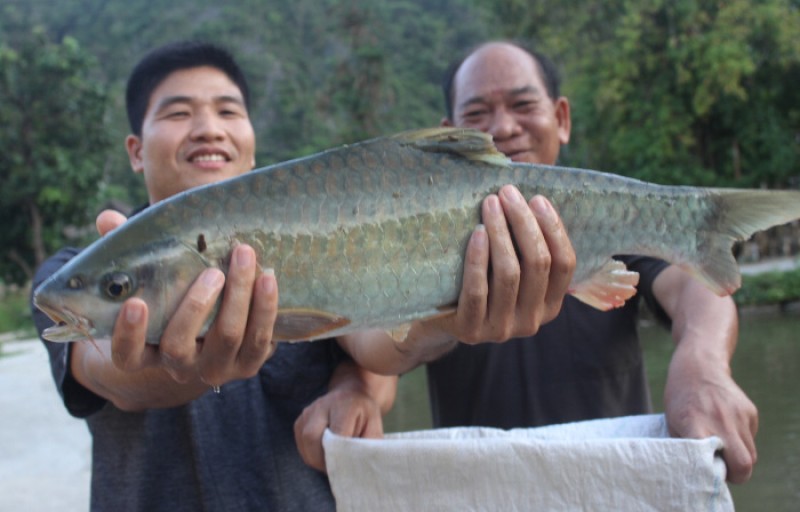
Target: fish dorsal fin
{"points": [[469, 143]]}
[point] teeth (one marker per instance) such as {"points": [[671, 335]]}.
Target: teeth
{"points": [[209, 158]]}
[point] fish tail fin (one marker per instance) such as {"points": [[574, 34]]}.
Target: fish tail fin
{"points": [[739, 214], [469, 143]]}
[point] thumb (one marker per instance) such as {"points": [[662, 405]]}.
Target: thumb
{"points": [[109, 220]]}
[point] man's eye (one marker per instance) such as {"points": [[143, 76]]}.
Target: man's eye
{"points": [[524, 105], [474, 116]]}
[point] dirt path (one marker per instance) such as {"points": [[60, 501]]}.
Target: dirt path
{"points": [[45, 454]]}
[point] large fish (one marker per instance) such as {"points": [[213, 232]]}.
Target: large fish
{"points": [[374, 235]]}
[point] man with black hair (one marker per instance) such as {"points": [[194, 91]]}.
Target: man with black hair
{"points": [[162, 440], [584, 364]]}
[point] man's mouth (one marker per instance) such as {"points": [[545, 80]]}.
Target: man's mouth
{"points": [[212, 157]]}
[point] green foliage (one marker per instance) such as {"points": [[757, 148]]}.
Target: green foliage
{"points": [[693, 92], [769, 288], [15, 313], [52, 145]]}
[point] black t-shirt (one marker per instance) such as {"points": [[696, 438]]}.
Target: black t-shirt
{"points": [[585, 364]]}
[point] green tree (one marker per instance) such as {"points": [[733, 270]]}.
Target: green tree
{"points": [[52, 147], [691, 92]]}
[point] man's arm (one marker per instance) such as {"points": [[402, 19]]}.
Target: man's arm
{"points": [[353, 406], [701, 398], [523, 290], [134, 375]]}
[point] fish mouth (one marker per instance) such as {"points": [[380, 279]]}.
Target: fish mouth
{"points": [[69, 325]]}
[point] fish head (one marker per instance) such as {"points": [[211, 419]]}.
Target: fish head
{"points": [[84, 297]]}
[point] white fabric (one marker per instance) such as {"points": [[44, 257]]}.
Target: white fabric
{"points": [[615, 464]]}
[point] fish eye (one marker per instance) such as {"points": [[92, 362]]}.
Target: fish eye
{"points": [[116, 285]]}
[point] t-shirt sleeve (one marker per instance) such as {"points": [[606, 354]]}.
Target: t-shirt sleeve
{"points": [[648, 269], [79, 401]]}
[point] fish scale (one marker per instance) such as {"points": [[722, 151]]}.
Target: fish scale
{"points": [[374, 235]]}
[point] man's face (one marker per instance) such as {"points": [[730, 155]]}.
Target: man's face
{"points": [[499, 90], [196, 131]]}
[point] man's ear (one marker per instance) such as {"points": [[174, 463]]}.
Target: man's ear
{"points": [[133, 144], [564, 119], [446, 122]]}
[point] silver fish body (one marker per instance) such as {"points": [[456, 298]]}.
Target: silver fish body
{"points": [[374, 235]]}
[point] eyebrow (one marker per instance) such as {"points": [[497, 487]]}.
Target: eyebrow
{"points": [[513, 92]]}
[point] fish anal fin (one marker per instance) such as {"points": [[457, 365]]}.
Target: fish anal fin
{"points": [[305, 324], [399, 333], [608, 288]]}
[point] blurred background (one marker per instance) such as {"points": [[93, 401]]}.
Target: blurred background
{"points": [[691, 92]]}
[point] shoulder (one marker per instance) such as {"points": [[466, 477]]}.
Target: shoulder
{"points": [[53, 263]]}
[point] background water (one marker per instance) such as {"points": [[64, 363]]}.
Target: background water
{"points": [[766, 366]]}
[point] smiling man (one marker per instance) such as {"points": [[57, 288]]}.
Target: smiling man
{"points": [[585, 363]]}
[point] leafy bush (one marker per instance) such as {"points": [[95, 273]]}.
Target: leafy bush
{"points": [[769, 288], [15, 314]]}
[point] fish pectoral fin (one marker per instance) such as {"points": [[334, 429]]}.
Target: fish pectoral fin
{"points": [[608, 288], [298, 324]]}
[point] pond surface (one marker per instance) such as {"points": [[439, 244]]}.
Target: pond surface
{"points": [[766, 366]]}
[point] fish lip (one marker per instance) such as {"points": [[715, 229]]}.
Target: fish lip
{"points": [[69, 326], [206, 150]]}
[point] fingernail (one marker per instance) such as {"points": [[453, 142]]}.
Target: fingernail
{"points": [[244, 257], [542, 206], [268, 285], [212, 278], [512, 194], [493, 203], [134, 312], [479, 236]]}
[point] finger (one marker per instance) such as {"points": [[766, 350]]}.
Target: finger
{"points": [[361, 418], [474, 293], [739, 461], [259, 345], [178, 346], [534, 261], [224, 339], [308, 431], [129, 350], [505, 269], [109, 220], [562, 255]]}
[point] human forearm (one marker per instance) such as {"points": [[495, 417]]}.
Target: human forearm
{"points": [[702, 323], [380, 353], [700, 396], [349, 377]]}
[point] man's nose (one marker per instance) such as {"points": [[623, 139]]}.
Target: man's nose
{"points": [[503, 124], [207, 126]]}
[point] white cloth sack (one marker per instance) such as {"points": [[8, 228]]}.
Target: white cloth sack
{"points": [[615, 464]]}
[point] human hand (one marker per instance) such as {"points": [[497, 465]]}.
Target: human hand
{"points": [[701, 400], [525, 287], [236, 345], [347, 411]]}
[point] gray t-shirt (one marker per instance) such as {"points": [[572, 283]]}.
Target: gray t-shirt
{"points": [[232, 451]]}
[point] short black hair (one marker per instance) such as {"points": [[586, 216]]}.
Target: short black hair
{"points": [[548, 70], [159, 63]]}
